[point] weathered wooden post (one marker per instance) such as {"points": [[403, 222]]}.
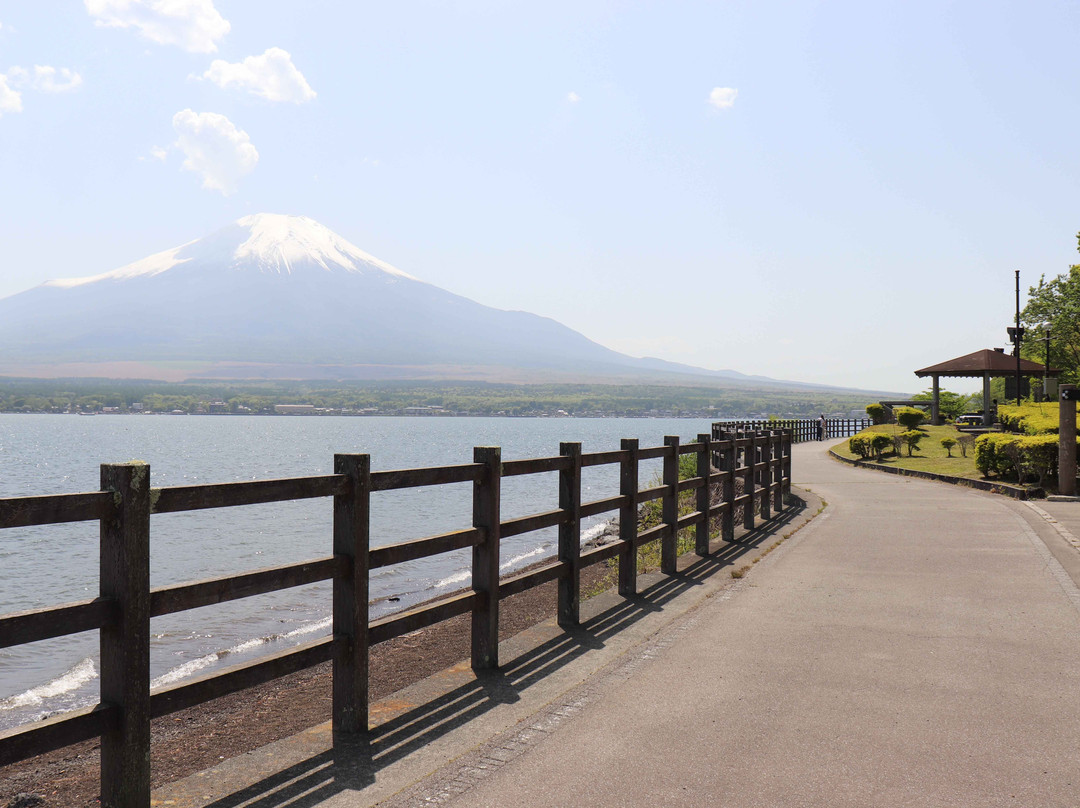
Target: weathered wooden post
{"points": [[728, 458], [125, 641], [765, 460], [669, 506], [352, 509], [1068, 395], [704, 495], [786, 470], [749, 480], [777, 442], [485, 558], [628, 488], [570, 535]]}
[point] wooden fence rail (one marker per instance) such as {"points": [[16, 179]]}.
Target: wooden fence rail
{"points": [[126, 603], [801, 429]]}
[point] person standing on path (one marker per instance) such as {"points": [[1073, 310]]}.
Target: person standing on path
{"points": [[821, 427]]}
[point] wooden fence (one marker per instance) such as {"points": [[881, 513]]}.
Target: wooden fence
{"points": [[126, 603], [801, 429]]}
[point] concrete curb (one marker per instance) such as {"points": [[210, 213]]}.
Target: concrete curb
{"points": [[1014, 491]]}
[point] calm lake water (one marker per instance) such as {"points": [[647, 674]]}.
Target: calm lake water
{"points": [[48, 565]]}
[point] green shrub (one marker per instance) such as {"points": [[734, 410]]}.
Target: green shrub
{"points": [[879, 442], [909, 417], [876, 413], [860, 445], [947, 444], [991, 457], [1029, 418], [1040, 456]]}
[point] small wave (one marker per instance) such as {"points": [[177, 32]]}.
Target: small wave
{"points": [[450, 580], [590, 533], [519, 558], [195, 665], [69, 682], [310, 628]]}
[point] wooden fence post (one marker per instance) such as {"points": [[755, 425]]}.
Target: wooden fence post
{"points": [[669, 507], [728, 459], [352, 511], [570, 535], [786, 451], [628, 487], [704, 495], [125, 641], [749, 477], [764, 442], [777, 466], [485, 558]]}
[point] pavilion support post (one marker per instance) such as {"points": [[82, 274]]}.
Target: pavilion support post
{"points": [[987, 418], [935, 404]]}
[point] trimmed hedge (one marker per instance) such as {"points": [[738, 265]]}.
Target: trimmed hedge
{"points": [[909, 417], [1022, 456], [1030, 419]]}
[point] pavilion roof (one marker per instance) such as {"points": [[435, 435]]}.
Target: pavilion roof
{"points": [[996, 363]]}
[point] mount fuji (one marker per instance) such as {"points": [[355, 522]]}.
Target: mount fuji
{"points": [[275, 296]]}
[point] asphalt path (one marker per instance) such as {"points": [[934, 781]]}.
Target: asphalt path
{"points": [[917, 644]]}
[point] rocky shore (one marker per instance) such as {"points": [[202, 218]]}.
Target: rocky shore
{"points": [[194, 739]]}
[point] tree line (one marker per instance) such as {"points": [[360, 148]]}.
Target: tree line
{"points": [[475, 398]]}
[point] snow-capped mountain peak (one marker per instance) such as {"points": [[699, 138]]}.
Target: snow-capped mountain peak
{"points": [[263, 242], [276, 243]]}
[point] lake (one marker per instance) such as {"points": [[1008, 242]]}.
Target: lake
{"points": [[48, 565]]}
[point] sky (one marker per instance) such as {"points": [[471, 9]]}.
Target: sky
{"points": [[831, 192]]}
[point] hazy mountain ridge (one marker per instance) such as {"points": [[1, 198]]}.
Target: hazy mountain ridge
{"points": [[276, 296]]}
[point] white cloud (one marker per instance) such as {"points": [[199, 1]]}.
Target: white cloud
{"points": [[272, 76], [194, 25], [214, 148], [573, 97], [10, 100], [44, 78], [723, 97], [158, 153]]}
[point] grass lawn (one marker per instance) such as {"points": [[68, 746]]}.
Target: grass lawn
{"points": [[930, 455]]}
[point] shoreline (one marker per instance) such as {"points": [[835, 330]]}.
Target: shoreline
{"points": [[597, 535], [201, 736]]}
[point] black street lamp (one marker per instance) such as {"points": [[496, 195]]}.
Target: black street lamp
{"points": [[1016, 336]]}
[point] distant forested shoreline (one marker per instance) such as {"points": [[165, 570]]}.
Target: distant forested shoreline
{"points": [[416, 398]]}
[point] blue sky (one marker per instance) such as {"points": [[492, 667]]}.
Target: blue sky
{"points": [[829, 192]]}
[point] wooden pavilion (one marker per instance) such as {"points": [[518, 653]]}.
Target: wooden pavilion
{"points": [[986, 363]]}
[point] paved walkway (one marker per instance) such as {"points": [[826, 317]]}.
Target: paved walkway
{"points": [[916, 644]]}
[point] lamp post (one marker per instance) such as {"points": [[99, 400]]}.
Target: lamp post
{"points": [[1016, 335]]}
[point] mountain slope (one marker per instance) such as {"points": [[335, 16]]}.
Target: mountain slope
{"points": [[283, 296]]}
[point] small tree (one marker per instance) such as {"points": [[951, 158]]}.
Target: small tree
{"points": [[947, 444], [876, 413], [912, 438], [910, 417], [966, 442]]}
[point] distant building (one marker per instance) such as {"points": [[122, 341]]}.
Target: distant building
{"points": [[294, 409]]}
